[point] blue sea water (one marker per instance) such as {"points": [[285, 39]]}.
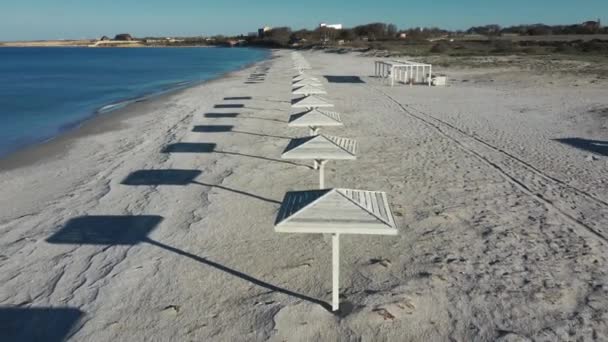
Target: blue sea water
{"points": [[44, 91]]}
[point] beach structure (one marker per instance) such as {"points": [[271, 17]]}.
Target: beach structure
{"points": [[406, 72], [306, 81], [308, 90], [300, 63], [321, 148], [301, 77], [336, 212], [314, 119], [310, 102]]}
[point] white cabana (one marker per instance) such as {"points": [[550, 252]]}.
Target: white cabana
{"points": [[406, 72], [310, 102], [321, 148], [336, 212], [315, 119], [308, 90]]}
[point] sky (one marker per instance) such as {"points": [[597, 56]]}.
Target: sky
{"points": [[75, 19]]}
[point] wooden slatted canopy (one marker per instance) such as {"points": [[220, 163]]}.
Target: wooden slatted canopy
{"points": [[308, 90], [311, 101], [321, 148], [304, 77], [314, 119], [306, 82], [336, 211]]}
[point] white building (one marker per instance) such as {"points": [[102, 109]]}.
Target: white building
{"points": [[332, 26]]}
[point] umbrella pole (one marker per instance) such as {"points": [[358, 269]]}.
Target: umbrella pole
{"points": [[321, 164], [335, 259]]}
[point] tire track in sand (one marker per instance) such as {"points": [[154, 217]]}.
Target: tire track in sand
{"points": [[578, 207]]}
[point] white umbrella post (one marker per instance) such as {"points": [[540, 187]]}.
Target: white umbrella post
{"points": [[321, 164], [331, 210], [335, 272]]}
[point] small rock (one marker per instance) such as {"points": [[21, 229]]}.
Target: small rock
{"points": [[591, 158], [171, 309]]}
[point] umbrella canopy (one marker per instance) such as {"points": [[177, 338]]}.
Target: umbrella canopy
{"points": [[306, 82], [321, 147], [303, 77], [315, 118], [308, 90], [311, 101], [336, 211]]}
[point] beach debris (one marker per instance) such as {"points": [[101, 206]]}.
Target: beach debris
{"points": [[384, 314], [591, 158], [380, 261], [173, 309]]}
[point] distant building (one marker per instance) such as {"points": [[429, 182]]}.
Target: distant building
{"points": [[263, 30], [331, 26], [402, 35], [123, 37], [104, 39], [592, 25]]}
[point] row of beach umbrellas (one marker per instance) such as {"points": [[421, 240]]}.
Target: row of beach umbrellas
{"points": [[333, 211]]}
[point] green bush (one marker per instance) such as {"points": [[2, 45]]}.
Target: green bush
{"points": [[504, 46], [440, 47]]}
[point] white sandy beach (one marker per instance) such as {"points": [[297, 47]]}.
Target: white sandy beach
{"points": [[503, 227]]}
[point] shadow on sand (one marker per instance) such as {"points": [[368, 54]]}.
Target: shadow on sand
{"points": [[230, 128], [37, 324], [343, 79], [134, 230], [212, 148], [177, 177], [229, 105], [237, 98], [595, 146], [221, 115]]}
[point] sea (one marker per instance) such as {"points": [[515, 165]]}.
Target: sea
{"points": [[47, 91]]}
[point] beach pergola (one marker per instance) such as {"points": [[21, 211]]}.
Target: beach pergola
{"points": [[308, 90], [336, 212], [310, 102], [321, 148], [315, 119], [404, 71]]}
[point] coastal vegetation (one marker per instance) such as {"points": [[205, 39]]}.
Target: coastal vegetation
{"points": [[581, 40]]}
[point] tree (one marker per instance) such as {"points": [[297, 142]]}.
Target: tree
{"points": [[279, 35], [391, 30]]}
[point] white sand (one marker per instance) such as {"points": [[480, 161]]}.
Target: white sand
{"points": [[503, 229]]}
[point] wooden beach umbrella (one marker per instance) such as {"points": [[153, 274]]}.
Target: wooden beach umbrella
{"points": [[306, 82], [336, 212], [310, 101], [315, 119], [301, 77], [308, 90], [321, 148]]}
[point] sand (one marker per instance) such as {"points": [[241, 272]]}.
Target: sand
{"points": [[502, 224]]}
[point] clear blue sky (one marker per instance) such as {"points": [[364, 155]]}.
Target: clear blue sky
{"points": [[55, 19]]}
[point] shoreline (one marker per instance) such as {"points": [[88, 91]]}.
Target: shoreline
{"points": [[100, 121]]}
